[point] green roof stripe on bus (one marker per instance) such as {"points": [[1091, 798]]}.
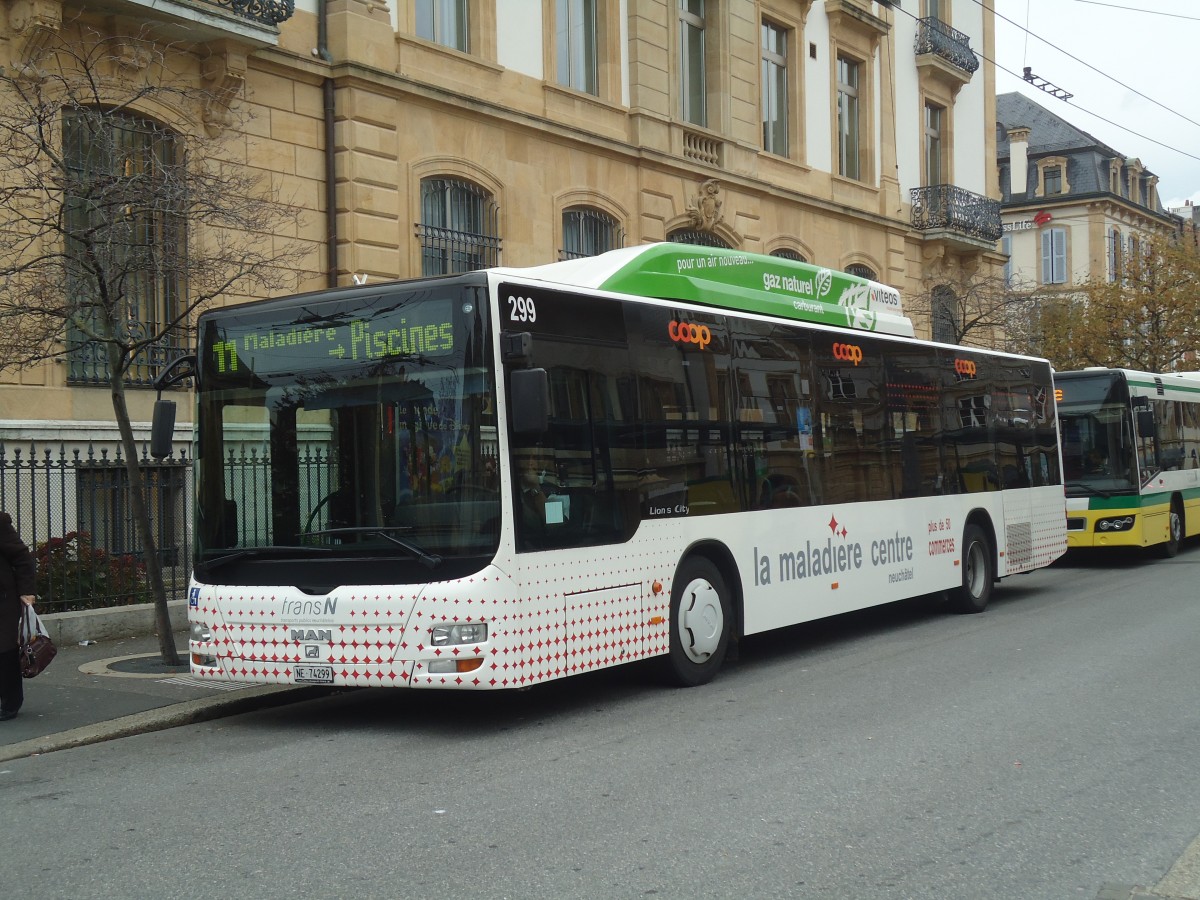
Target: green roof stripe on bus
{"points": [[732, 279]]}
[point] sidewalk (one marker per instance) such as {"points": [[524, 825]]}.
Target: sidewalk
{"points": [[117, 687]]}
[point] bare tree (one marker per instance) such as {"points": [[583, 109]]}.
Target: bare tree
{"points": [[966, 305], [115, 229]]}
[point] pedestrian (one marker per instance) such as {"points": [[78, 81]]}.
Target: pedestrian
{"points": [[18, 583]]}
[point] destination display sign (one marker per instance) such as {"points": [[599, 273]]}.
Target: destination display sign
{"points": [[412, 330]]}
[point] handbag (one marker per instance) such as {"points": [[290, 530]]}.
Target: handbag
{"points": [[37, 650]]}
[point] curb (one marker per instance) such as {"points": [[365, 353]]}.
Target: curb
{"points": [[187, 713], [110, 623]]}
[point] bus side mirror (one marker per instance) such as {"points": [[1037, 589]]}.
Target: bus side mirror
{"points": [[1145, 422], [162, 428], [530, 397]]}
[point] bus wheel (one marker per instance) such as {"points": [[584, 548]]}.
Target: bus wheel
{"points": [[700, 617], [1175, 532], [978, 573]]}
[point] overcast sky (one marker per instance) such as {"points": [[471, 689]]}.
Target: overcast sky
{"points": [[1132, 68]]}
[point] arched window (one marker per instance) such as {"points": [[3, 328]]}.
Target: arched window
{"points": [[125, 214], [458, 229], [588, 232], [944, 315], [861, 271], [789, 253], [700, 238]]}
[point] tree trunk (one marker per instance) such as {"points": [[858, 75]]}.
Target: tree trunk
{"points": [[141, 511]]}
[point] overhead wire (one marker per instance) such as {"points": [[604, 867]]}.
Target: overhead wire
{"points": [[1081, 108]]}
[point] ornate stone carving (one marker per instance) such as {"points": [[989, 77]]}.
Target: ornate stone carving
{"points": [[704, 210], [34, 23], [225, 71]]}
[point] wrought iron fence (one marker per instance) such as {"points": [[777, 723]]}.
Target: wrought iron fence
{"points": [[936, 37], [72, 507], [956, 209]]}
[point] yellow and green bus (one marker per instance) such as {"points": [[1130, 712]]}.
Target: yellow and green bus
{"points": [[1131, 457]]}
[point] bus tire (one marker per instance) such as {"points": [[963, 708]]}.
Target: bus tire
{"points": [[1170, 547], [700, 622], [978, 573]]}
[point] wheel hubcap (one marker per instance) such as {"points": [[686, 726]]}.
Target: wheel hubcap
{"points": [[701, 621], [976, 570]]}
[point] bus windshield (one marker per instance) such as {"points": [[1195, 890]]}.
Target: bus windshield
{"points": [[360, 427], [1097, 435]]}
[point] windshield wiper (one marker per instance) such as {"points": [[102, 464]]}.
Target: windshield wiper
{"points": [[1083, 486], [253, 552], [388, 533]]}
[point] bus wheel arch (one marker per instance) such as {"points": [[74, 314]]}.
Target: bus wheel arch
{"points": [[705, 615], [1176, 528], [979, 565]]}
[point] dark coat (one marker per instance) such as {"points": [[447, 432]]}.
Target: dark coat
{"points": [[18, 570]]}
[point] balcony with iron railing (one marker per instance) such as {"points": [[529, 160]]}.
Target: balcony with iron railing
{"points": [[949, 212], [255, 22], [937, 39]]}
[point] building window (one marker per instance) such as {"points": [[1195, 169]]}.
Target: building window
{"points": [[458, 227], [1053, 180], [123, 208], [699, 238], [1054, 256], [861, 271], [1006, 249], [575, 22], [934, 157], [774, 89], [588, 232], [443, 22], [692, 78], [945, 315], [1115, 256], [934, 10], [789, 253], [849, 164]]}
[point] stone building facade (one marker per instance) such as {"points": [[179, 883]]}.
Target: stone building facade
{"points": [[1073, 207], [422, 136]]}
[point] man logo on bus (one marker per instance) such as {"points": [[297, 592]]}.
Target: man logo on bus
{"points": [[690, 333], [848, 353], [965, 368]]}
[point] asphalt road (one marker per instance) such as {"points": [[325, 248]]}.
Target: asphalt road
{"points": [[1045, 749]]}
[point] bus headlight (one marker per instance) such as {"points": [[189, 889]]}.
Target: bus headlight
{"points": [[1116, 523], [202, 634], [459, 633]]}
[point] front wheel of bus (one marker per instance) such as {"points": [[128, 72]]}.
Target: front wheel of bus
{"points": [[700, 617], [978, 573]]}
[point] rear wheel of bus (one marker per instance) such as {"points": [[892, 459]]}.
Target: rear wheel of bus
{"points": [[701, 614], [978, 572]]}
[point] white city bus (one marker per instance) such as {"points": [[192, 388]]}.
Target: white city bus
{"points": [[501, 478], [1131, 457]]}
